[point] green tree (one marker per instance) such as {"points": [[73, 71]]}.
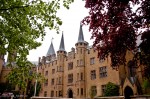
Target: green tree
{"points": [[21, 73], [22, 22], [93, 92], [32, 89], [111, 89], [146, 86], [116, 25]]}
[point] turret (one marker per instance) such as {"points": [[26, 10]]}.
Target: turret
{"points": [[81, 44], [81, 47], [61, 54], [51, 53], [61, 49]]}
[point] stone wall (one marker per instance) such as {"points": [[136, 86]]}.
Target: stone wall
{"points": [[141, 97]]}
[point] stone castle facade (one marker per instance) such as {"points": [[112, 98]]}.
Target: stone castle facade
{"points": [[75, 73]]}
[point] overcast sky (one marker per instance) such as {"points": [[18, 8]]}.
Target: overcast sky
{"points": [[71, 22]]}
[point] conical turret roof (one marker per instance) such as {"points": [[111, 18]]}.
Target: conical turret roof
{"points": [[62, 46], [81, 37], [51, 50]]}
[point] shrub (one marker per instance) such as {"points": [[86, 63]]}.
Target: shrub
{"points": [[111, 89]]}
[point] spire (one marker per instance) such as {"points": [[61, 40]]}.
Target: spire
{"points": [[51, 50], [81, 37], [62, 46]]}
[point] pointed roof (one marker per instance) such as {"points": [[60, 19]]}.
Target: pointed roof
{"points": [[81, 37], [62, 46], [51, 50]]}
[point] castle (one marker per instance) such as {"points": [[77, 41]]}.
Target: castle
{"points": [[73, 74]]}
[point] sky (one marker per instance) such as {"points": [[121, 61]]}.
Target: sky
{"points": [[71, 22]]}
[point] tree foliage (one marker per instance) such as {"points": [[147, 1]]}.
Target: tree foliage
{"points": [[22, 22], [21, 73], [111, 89], [92, 92], [32, 89], [146, 86], [116, 25], [144, 55]]}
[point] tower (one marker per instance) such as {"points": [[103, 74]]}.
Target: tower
{"points": [[61, 54], [81, 46]]}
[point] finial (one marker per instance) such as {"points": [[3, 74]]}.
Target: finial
{"points": [[52, 39]]}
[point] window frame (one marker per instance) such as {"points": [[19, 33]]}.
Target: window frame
{"points": [[93, 74], [70, 78], [92, 60], [103, 72]]}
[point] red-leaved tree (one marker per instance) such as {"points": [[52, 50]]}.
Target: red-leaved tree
{"points": [[116, 25]]}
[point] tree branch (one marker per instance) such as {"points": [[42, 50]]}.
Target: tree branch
{"points": [[15, 7]]}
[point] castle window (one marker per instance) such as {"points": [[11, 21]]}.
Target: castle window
{"points": [[60, 93], [81, 91], [45, 93], [56, 62], [93, 74], [52, 93], [94, 89], [103, 71], [103, 89], [56, 80], [81, 62], [81, 76], [59, 81], [46, 83], [53, 71], [132, 68], [70, 78], [70, 66], [92, 60], [78, 91], [60, 58], [132, 71], [81, 50], [52, 81], [77, 62], [60, 68], [101, 60], [46, 73], [77, 76]]}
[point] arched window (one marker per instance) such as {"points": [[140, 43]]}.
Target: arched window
{"points": [[131, 68]]}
